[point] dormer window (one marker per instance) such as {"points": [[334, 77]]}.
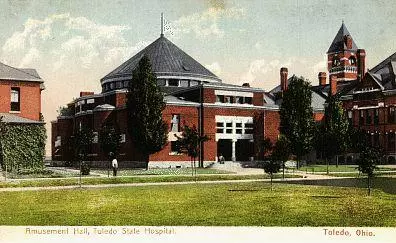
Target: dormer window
{"points": [[173, 82], [15, 99]]}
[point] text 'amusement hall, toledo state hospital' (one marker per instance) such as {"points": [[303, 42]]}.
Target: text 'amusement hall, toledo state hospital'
{"points": [[235, 117]]}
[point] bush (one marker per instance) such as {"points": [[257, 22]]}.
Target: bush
{"points": [[85, 168]]}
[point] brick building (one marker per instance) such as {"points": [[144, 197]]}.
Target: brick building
{"points": [[20, 94], [235, 118], [23, 137]]}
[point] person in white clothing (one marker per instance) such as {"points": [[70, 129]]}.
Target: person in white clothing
{"points": [[114, 164]]}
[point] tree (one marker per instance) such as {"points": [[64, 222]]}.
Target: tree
{"points": [[271, 167], [369, 158], [145, 104], [189, 143], [281, 152], [110, 141], [82, 142], [296, 117], [336, 129]]}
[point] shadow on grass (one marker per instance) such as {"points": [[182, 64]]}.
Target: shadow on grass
{"points": [[385, 184]]}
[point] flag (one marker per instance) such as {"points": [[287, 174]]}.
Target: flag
{"points": [[168, 27]]}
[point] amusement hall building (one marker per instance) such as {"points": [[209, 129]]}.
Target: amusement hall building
{"points": [[235, 118]]}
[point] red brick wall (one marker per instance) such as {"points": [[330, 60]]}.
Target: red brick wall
{"points": [[63, 128], [30, 98], [258, 99], [209, 96]]}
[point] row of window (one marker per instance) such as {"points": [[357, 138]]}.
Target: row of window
{"points": [[84, 105], [115, 85], [371, 116], [336, 61], [234, 99], [177, 82], [239, 128], [58, 140]]}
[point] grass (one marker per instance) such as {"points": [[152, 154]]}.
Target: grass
{"points": [[45, 173], [248, 204], [122, 180], [170, 171], [339, 168]]}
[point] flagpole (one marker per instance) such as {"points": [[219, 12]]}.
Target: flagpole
{"points": [[162, 24]]}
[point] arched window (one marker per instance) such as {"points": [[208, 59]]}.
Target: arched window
{"points": [[336, 62]]}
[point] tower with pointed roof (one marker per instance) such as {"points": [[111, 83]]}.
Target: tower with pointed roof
{"points": [[345, 60]]}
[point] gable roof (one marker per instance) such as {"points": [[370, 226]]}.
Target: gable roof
{"points": [[166, 59], [338, 43], [19, 74]]}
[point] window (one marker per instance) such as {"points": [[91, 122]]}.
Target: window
{"points": [[175, 122], [90, 101], [228, 99], [391, 114], [193, 83], [376, 117], [95, 137], [336, 62], [119, 85], [58, 141], [391, 141], [161, 82], [220, 98], [361, 117], [126, 84], [111, 85], [239, 100], [248, 128], [123, 138], [219, 127], [175, 147], [15, 99], [248, 100], [352, 61], [173, 82], [376, 140], [183, 83], [350, 116], [368, 117]]}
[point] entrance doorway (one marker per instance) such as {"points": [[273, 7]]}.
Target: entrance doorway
{"points": [[224, 147], [244, 150]]}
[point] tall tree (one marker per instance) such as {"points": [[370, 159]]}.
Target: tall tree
{"points": [[145, 104], [296, 117], [189, 142], [336, 128]]}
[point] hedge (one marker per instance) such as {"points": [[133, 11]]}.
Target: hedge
{"points": [[22, 146]]}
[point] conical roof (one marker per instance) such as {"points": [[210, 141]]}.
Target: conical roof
{"points": [[167, 60], [338, 43]]}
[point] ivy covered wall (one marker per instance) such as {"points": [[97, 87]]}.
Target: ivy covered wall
{"points": [[23, 146]]}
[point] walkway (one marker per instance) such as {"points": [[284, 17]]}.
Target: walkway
{"points": [[14, 189]]}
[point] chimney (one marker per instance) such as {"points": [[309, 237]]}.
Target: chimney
{"points": [[322, 78], [245, 85], [85, 93], [333, 85], [348, 41], [283, 78], [361, 63]]}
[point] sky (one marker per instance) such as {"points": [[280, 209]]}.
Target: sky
{"points": [[73, 44]]}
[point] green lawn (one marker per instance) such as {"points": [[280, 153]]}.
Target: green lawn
{"points": [[245, 204], [170, 171], [135, 179]]}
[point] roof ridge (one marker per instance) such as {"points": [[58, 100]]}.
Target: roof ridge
{"points": [[379, 65], [19, 70]]}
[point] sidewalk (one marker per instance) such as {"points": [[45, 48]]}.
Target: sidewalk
{"points": [[15, 189]]}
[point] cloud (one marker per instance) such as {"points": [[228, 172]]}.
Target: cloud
{"points": [[206, 23], [258, 68], [215, 68], [67, 41]]}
